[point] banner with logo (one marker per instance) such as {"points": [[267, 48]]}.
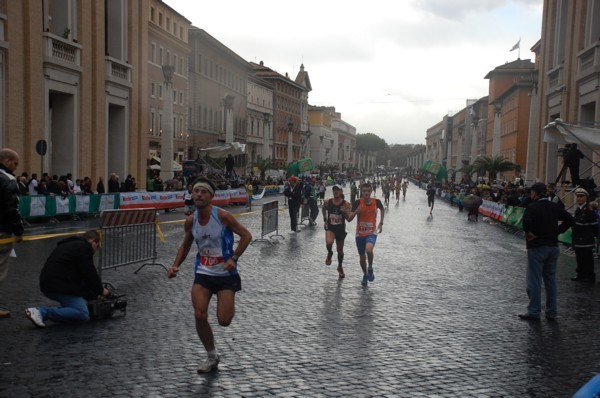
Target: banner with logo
{"points": [[157, 200]]}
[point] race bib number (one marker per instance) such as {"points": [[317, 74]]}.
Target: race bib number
{"points": [[335, 219], [209, 261], [366, 228]]}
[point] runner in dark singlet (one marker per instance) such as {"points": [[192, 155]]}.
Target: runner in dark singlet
{"points": [[334, 219]]}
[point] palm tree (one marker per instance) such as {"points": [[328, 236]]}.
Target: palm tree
{"points": [[468, 170], [263, 165], [493, 165]]}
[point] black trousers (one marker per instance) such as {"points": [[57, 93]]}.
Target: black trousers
{"points": [[585, 262], [293, 208], [314, 208]]}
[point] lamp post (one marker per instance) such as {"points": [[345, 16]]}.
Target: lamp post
{"points": [[496, 137], [266, 152], [290, 125], [166, 148], [306, 147]]}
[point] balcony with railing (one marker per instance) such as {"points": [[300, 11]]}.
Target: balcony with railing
{"points": [[61, 52], [588, 61], [118, 72], [555, 77]]}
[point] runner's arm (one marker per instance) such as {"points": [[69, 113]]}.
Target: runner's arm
{"points": [[229, 221], [355, 210], [184, 248]]}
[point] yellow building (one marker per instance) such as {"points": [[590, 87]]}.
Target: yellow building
{"points": [[75, 74], [568, 61]]}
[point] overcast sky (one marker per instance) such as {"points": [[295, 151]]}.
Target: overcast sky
{"points": [[390, 67]]}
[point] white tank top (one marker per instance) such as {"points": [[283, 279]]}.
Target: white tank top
{"points": [[215, 246]]}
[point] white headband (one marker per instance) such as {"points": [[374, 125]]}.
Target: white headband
{"points": [[205, 186]]}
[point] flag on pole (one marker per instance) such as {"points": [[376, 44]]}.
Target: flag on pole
{"points": [[516, 46]]}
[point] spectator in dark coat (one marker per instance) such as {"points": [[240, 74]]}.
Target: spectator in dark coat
{"points": [[69, 277], [10, 218], [113, 183], [100, 185]]}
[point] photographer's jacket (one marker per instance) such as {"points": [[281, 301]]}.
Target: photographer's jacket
{"points": [[70, 270]]}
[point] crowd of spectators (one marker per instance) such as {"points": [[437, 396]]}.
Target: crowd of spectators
{"points": [[64, 185]]}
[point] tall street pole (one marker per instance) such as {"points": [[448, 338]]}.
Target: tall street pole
{"points": [[166, 143]]}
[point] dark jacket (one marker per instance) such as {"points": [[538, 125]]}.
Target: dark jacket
{"points": [[294, 194], [113, 186], [585, 228], [70, 270], [100, 187], [10, 218], [541, 218], [53, 187]]}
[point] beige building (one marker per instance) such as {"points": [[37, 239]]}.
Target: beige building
{"points": [[436, 141], [72, 75], [167, 45], [346, 144], [288, 114], [333, 141], [259, 136], [568, 63], [218, 83]]}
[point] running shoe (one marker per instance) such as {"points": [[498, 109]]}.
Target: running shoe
{"points": [[370, 274], [209, 365], [365, 280], [35, 316]]}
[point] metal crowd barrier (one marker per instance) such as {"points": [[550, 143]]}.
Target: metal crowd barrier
{"points": [[128, 237], [270, 222]]}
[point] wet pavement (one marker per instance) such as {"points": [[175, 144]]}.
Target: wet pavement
{"points": [[440, 320]]}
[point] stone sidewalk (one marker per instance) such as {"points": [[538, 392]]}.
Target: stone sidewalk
{"points": [[440, 320]]}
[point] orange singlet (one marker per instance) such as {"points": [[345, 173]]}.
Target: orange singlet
{"points": [[367, 219]]}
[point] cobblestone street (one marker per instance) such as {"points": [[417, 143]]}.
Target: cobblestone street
{"points": [[439, 320]]}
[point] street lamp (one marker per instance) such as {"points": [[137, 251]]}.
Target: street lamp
{"points": [[307, 135], [166, 155], [266, 136], [290, 125]]}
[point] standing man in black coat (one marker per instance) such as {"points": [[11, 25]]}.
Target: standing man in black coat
{"points": [[69, 277], [10, 218], [113, 184], [584, 237], [543, 221], [572, 158], [229, 163], [294, 194]]}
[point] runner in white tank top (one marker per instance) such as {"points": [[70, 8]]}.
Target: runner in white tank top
{"points": [[216, 264]]}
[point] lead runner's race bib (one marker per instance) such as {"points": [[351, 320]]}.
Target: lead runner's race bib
{"points": [[210, 261], [365, 228]]}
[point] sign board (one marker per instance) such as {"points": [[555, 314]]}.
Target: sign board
{"points": [[41, 147]]}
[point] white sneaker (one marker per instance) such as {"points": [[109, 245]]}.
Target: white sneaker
{"points": [[209, 365], [35, 316]]}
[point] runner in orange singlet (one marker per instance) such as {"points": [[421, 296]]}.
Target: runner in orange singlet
{"points": [[367, 228]]}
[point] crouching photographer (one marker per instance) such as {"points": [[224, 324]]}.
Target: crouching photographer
{"points": [[70, 278]]}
